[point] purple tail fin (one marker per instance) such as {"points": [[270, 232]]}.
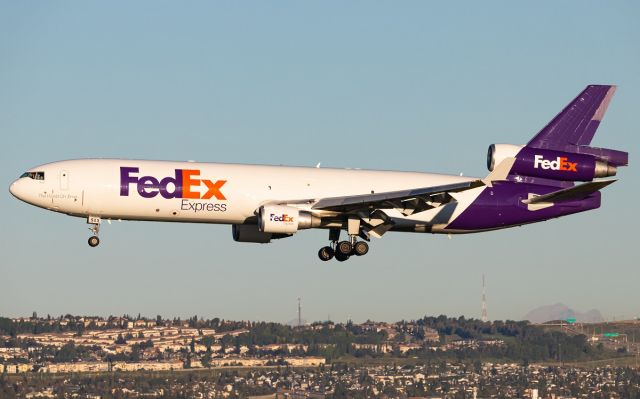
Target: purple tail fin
{"points": [[574, 127]]}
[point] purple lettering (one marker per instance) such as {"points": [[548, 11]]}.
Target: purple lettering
{"points": [[177, 186], [145, 183], [126, 179]]}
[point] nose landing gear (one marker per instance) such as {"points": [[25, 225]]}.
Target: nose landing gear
{"points": [[94, 241], [94, 221]]}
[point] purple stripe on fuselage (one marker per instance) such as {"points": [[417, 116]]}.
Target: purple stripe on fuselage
{"points": [[501, 206]]}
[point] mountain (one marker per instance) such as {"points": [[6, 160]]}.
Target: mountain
{"points": [[560, 311]]}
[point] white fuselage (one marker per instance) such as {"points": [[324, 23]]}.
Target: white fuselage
{"points": [[232, 192]]}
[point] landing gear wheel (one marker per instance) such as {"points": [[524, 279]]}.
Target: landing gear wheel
{"points": [[344, 248], [340, 257], [361, 248], [326, 253], [94, 241]]}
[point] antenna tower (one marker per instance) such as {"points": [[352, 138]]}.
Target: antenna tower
{"points": [[484, 316], [299, 313]]}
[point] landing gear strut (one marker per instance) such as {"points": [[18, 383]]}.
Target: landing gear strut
{"points": [[94, 221], [342, 250]]}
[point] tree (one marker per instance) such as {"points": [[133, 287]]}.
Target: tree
{"points": [[67, 353], [206, 359], [120, 340], [208, 341]]}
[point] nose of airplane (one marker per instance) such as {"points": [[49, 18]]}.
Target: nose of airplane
{"points": [[17, 189]]}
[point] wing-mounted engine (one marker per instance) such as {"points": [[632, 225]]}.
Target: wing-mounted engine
{"points": [[275, 222], [250, 233], [549, 164], [285, 219]]}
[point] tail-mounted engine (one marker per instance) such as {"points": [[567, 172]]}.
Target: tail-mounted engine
{"points": [[549, 164]]}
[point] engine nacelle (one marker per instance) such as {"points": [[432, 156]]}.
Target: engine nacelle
{"points": [[249, 233], [498, 152], [549, 164], [284, 219]]}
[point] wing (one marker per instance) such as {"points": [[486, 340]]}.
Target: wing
{"points": [[411, 200], [416, 198]]}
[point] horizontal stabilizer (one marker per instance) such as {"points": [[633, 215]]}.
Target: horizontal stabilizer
{"points": [[570, 194]]}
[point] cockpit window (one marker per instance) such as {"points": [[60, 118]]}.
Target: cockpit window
{"points": [[33, 175]]}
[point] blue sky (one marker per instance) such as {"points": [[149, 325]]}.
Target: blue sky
{"points": [[406, 86]]}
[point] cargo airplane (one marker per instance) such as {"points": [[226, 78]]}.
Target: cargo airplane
{"points": [[556, 173]]}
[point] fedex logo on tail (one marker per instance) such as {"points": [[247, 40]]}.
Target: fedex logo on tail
{"points": [[184, 184], [560, 163]]}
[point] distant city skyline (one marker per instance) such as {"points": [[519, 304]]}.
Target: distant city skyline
{"points": [[422, 86]]}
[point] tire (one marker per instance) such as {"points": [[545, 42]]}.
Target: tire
{"points": [[93, 241], [344, 247], [340, 257], [361, 248], [325, 253]]}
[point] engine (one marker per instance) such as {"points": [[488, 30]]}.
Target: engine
{"points": [[498, 152], [285, 219], [274, 222], [549, 164], [249, 233]]}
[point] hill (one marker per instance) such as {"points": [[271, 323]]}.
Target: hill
{"points": [[560, 311]]}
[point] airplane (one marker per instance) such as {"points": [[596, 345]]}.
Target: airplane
{"points": [[555, 174]]}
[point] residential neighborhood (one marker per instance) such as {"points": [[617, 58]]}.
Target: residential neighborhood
{"points": [[434, 357]]}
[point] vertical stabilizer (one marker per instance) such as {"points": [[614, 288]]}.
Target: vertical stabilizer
{"points": [[575, 126]]}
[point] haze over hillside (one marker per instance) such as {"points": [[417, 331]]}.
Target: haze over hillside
{"points": [[560, 311]]}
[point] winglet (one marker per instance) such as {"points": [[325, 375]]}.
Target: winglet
{"points": [[500, 172]]}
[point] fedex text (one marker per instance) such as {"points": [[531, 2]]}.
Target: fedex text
{"points": [[185, 183], [281, 218], [560, 163]]}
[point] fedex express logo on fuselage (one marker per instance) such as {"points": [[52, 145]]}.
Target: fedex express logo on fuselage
{"points": [[184, 184], [560, 163]]}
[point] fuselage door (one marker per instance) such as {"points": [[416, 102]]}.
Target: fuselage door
{"points": [[64, 180]]}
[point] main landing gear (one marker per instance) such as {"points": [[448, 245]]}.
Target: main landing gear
{"points": [[94, 221], [342, 250]]}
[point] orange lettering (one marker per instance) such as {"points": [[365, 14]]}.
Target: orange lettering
{"points": [[214, 189], [187, 182], [563, 163]]}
